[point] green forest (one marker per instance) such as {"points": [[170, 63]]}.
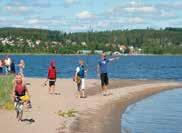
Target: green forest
{"points": [[150, 41]]}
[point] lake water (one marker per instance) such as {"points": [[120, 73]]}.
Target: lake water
{"points": [[126, 67], [160, 113]]}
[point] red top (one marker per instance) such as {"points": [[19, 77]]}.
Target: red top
{"points": [[20, 89], [52, 73]]}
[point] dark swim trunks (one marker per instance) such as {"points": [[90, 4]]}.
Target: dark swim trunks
{"points": [[51, 83], [104, 79]]}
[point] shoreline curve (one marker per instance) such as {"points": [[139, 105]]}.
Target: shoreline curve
{"points": [[106, 117]]}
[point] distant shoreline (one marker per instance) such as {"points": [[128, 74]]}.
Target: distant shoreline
{"points": [[45, 54]]}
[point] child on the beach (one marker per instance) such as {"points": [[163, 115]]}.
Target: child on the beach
{"points": [[7, 63], [21, 91], [80, 79], [12, 66], [21, 67], [1, 66], [52, 75]]}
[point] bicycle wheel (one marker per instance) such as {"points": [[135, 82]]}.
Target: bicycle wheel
{"points": [[19, 111], [17, 114], [20, 115]]}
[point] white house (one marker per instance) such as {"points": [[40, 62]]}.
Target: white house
{"points": [[37, 42]]}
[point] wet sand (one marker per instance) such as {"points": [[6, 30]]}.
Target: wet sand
{"points": [[96, 113]]}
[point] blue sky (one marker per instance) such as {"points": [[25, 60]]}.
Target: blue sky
{"points": [[84, 15]]}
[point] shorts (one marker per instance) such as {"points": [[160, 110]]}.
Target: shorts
{"points": [[81, 84], [1, 70], [104, 79], [51, 83]]}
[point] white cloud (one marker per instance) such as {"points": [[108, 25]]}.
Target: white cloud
{"points": [[39, 4], [23, 8], [147, 9], [70, 2], [142, 9], [102, 24], [135, 13], [167, 14], [16, 9], [17, 25], [135, 20], [120, 21], [45, 21], [2, 19], [171, 6], [5, 22], [134, 8], [84, 15], [133, 3], [33, 21], [8, 8]]}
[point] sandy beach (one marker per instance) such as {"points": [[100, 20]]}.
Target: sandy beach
{"points": [[96, 113]]}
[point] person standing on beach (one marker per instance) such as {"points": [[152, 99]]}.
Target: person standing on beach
{"points": [[7, 62], [102, 70], [1, 66], [21, 66], [13, 71], [52, 75], [80, 79]]}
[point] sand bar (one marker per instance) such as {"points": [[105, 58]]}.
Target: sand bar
{"points": [[96, 114]]}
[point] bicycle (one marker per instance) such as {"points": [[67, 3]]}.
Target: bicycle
{"points": [[19, 108]]}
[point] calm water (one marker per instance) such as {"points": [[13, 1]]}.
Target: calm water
{"points": [[126, 67], [160, 113]]}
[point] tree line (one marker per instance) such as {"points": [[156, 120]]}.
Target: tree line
{"points": [[151, 41]]}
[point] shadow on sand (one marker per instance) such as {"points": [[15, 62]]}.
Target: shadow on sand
{"points": [[28, 121], [57, 93]]}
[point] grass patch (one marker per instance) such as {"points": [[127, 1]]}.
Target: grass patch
{"points": [[69, 113], [6, 87], [9, 105]]}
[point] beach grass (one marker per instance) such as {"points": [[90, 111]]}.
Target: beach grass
{"points": [[69, 113], [6, 87]]}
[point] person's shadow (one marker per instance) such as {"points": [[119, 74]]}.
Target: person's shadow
{"points": [[28, 121], [57, 93]]}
